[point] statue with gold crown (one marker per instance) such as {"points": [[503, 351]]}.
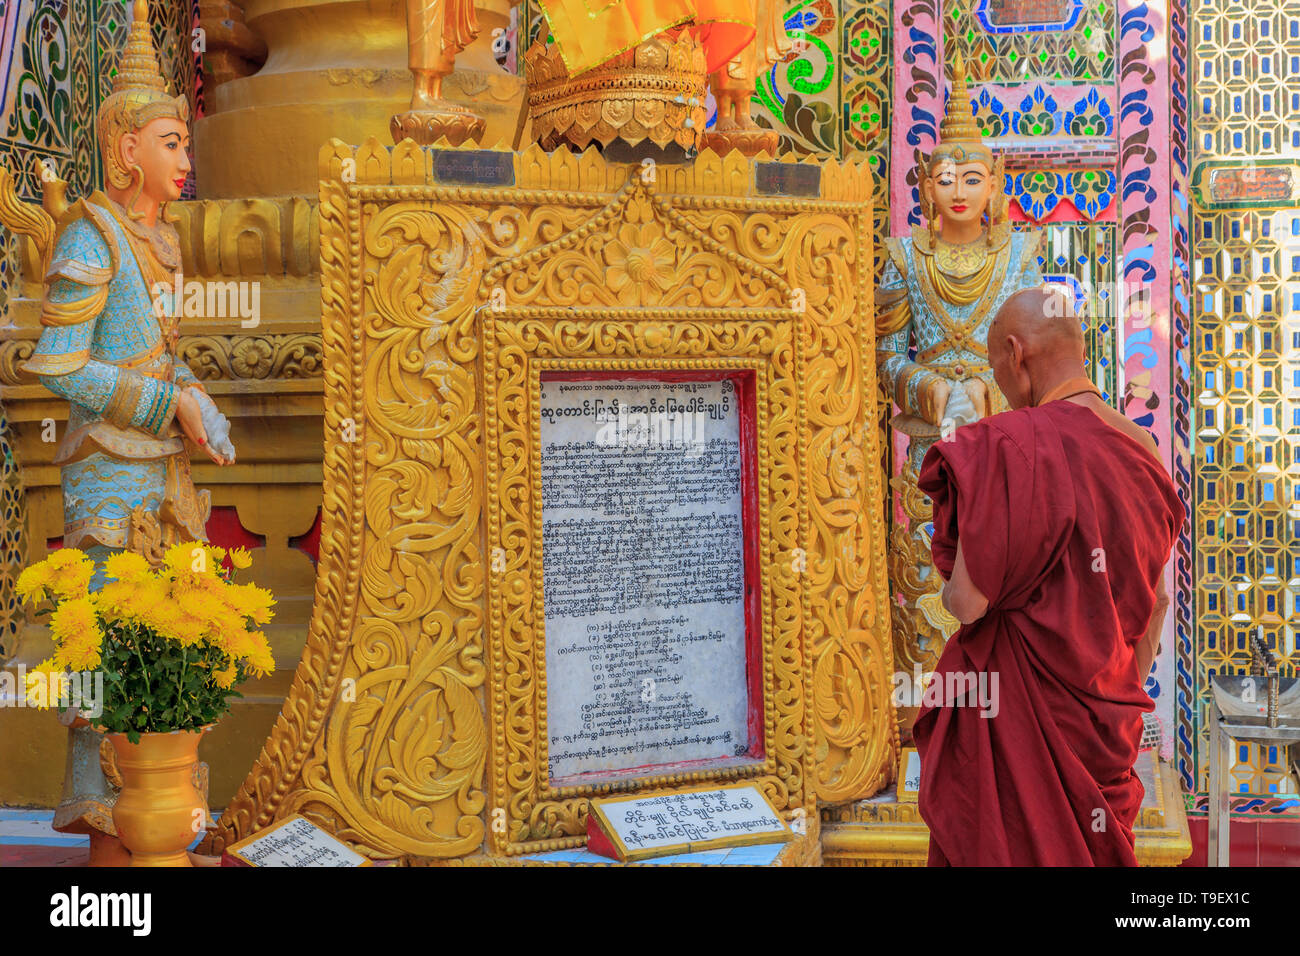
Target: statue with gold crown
{"points": [[940, 290], [108, 345]]}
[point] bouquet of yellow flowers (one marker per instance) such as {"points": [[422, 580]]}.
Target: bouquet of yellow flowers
{"points": [[171, 642]]}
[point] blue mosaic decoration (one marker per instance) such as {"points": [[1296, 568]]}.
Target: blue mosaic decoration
{"points": [[1075, 9], [1040, 191], [1039, 114], [1090, 115]]}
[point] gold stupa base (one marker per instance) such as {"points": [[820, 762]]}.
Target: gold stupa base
{"points": [[442, 120], [750, 140]]}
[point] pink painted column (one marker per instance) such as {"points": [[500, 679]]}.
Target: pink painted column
{"points": [[918, 104], [1146, 237]]}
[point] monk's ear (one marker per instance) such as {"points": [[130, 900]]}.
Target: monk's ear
{"points": [[1017, 350]]}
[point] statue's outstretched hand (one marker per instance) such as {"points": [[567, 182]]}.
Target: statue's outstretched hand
{"points": [[190, 416], [933, 400], [978, 391]]}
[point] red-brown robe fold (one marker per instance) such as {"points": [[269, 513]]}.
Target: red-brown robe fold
{"points": [[1066, 524]]}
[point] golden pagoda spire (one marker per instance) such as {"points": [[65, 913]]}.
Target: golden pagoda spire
{"points": [[138, 68], [959, 135], [959, 124]]}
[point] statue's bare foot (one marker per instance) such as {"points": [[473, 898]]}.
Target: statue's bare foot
{"points": [[428, 91]]}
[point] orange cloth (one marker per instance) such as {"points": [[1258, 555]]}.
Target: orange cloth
{"points": [[589, 32]]}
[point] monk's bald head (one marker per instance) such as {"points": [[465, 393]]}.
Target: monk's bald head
{"points": [[1036, 335]]}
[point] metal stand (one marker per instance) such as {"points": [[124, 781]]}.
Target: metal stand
{"points": [[1238, 714]]}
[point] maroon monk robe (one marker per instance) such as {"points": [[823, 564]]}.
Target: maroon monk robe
{"points": [[1049, 780]]}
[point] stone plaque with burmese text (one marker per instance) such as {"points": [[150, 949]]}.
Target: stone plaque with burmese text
{"points": [[644, 574]]}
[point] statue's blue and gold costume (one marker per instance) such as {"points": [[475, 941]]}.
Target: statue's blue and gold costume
{"points": [[125, 471], [945, 297], [123, 463]]}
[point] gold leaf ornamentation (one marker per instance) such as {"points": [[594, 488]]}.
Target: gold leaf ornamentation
{"points": [[416, 719]]}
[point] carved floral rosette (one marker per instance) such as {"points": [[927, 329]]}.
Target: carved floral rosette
{"points": [[655, 92], [416, 724]]}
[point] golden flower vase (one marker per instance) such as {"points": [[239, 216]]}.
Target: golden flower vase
{"points": [[159, 811], [646, 102]]}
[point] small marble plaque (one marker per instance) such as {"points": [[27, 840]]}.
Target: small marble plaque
{"points": [[294, 842], [909, 775], [479, 167], [787, 179], [1252, 184], [684, 821], [643, 571]]}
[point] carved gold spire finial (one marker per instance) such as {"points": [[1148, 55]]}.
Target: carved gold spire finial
{"points": [[958, 124], [138, 68], [960, 140]]}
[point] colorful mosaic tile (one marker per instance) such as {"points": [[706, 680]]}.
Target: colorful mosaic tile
{"points": [[800, 96], [1245, 365], [1011, 40]]}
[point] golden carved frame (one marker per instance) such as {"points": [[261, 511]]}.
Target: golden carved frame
{"points": [[411, 727], [538, 817]]}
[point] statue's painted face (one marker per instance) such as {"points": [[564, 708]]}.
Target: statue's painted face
{"points": [[959, 193], [159, 148]]}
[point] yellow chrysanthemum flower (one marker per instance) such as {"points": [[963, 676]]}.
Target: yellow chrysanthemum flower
{"points": [[72, 578], [251, 601], [81, 653], [73, 617], [225, 677], [200, 604], [240, 558], [46, 684], [33, 581], [77, 634], [259, 658], [139, 599], [188, 556], [126, 566], [63, 557], [112, 598]]}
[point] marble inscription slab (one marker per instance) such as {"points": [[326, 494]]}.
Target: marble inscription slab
{"points": [[643, 571], [686, 821], [294, 842]]}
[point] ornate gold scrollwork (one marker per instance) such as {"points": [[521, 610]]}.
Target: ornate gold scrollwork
{"points": [[399, 706]]}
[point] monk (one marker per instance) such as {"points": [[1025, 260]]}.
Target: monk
{"points": [[1053, 523]]}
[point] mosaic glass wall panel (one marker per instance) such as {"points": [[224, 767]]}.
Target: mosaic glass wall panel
{"points": [[800, 96], [1245, 101], [1246, 311], [1082, 257], [865, 96], [1016, 40]]}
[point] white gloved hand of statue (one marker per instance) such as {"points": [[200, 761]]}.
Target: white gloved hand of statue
{"points": [[960, 410], [216, 425]]}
